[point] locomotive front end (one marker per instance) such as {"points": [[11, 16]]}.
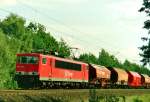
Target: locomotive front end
{"points": [[27, 70]]}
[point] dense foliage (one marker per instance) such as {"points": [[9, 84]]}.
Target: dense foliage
{"points": [[146, 47], [16, 36]]}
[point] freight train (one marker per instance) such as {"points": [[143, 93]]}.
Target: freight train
{"points": [[35, 70]]}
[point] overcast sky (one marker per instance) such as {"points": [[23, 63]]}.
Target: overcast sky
{"points": [[90, 25]]}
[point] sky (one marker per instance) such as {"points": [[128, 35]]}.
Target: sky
{"points": [[90, 25]]}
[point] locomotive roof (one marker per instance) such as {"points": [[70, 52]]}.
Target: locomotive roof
{"points": [[52, 56], [68, 60], [28, 54]]}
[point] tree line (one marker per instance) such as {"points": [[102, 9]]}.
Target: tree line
{"points": [[18, 36]]}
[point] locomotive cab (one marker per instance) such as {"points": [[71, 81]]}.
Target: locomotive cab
{"points": [[27, 64], [27, 69]]}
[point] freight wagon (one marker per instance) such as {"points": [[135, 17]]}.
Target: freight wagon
{"points": [[119, 77], [99, 76], [145, 81], [134, 79]]}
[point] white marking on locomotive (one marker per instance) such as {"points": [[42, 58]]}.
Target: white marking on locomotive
{"points": [[68, 74]]}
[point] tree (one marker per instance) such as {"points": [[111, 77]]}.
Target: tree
{"points": [[146, 48], [108, 60], [6, 62], [42, 39], [13, 26], [88, 58], [63, 49]]}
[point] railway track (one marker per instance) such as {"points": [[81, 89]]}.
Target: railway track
{"points": [[76, 92]]}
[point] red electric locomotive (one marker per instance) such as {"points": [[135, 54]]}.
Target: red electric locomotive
{"points": [[33, 70]]}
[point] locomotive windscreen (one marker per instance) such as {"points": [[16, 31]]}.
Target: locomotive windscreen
{"points": [[67, 65], [27, 60]]}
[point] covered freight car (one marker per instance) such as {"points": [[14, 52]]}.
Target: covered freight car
{"points": [[134, 79], [99, 75], [119, 77], [145, 80]]}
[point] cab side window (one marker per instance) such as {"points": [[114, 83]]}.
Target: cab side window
{"points": [[44, 60]]}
